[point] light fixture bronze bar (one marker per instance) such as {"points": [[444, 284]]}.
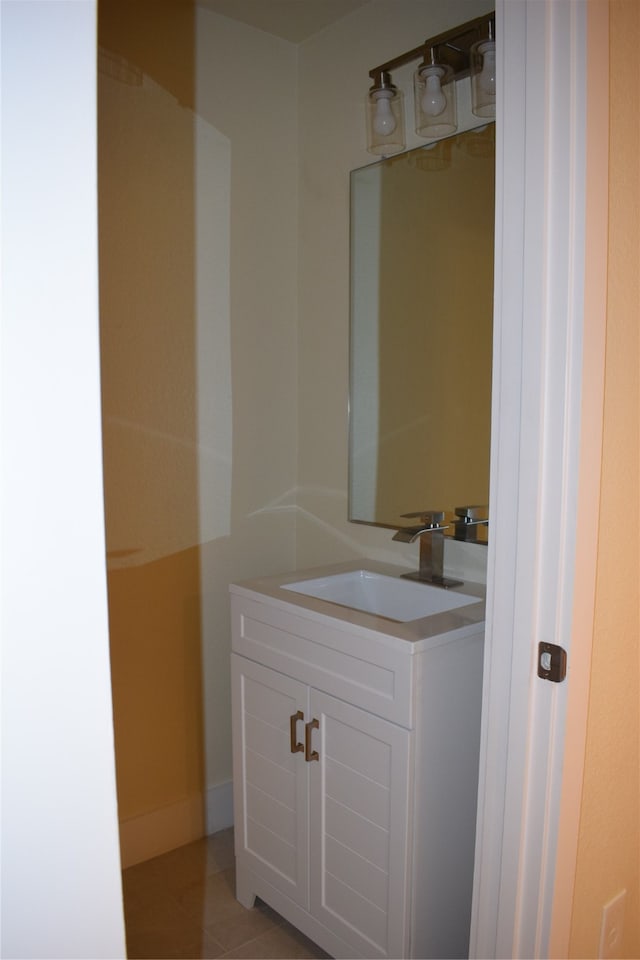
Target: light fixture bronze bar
{"points": [[397, 62], [451, 47]]}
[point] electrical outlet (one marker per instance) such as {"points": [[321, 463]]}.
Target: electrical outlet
{"points": [[612, 927]]}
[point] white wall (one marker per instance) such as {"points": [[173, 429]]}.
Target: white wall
{"points": [[61, 894]]}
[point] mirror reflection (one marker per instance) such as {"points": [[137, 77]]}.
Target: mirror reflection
{"points": [[422, 228]]}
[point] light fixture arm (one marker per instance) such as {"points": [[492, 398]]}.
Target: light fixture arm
{"points": [[451, 48], [400, 61]]}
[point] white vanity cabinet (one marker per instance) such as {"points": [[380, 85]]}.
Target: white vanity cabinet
{"points": [[355, 772]]}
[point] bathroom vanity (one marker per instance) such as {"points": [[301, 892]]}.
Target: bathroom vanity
{"points": [[356, 739]]}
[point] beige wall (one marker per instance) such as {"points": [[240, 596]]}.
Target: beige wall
{"points": [[609, 829], [197, 296]]}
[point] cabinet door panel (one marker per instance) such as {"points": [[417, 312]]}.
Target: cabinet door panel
{"points": [[361, 796], [356, 871], [271, 779], [270, 782], [354, 830], [274, 815], [364, 768], [360, 919], [362, 752], [272, 850], [268, 740]]}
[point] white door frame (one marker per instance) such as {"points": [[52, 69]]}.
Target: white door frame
{"points": [[536, 423]]}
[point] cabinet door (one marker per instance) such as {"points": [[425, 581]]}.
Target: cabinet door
{"points": [[270, 781], [358, 829]]}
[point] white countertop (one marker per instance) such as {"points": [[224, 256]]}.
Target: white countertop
{"points": [[464, 619]]}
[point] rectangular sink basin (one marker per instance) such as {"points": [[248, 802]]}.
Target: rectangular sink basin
{"points": [[389, 597]]}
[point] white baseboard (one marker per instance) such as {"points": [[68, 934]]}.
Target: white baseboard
{"points": [[219, 809], [159, 831]]}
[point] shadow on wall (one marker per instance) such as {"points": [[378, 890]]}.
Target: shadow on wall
{"points": [[154, 215]]}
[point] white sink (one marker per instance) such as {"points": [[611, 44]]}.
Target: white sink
{"points": [[389, 597]]}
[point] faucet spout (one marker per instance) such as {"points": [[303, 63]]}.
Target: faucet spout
{"points": [[431, 534], [409, 534]]}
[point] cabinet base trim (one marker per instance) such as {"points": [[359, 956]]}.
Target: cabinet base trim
{"points": [[249, 885]]}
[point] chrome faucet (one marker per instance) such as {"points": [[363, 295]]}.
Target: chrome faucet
{"points": [[431, 532], [467, 520]]}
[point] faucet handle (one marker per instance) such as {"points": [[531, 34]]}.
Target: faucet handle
{"points": [[432, 518], [473, 514], [467, 521]]}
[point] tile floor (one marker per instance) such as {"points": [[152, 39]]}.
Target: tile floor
{"points": [[181, 905]]}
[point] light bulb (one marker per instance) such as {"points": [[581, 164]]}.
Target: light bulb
{"points": [[384, 122], [487, 76], [433, 101]]}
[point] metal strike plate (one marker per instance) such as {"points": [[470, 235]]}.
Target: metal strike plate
{"points": [[552, 662]]}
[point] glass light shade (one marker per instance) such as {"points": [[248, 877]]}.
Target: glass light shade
{"points": [[385, 121], [481, 141], [434, 98], [483, 78], [434, 156]]}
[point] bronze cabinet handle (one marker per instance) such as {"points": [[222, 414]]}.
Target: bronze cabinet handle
{"points": [[296, 746], [310, 754]]}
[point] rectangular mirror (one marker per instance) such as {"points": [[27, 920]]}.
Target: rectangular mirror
{"points": [[422, 229]]}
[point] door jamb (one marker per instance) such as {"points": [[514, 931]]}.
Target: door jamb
{"points": [[535, 465]]}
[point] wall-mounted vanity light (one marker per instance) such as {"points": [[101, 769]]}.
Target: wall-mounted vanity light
{"points": [[483, 76], [467, 50], [385, 116], [434, 92]]}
